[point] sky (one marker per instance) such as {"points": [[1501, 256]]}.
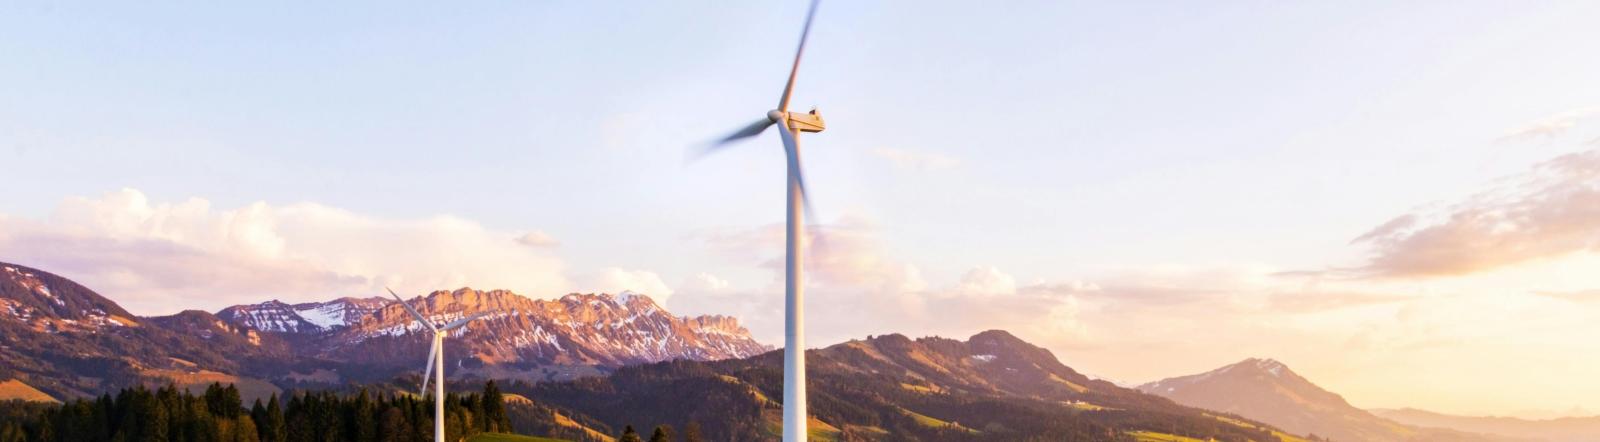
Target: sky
{"points": [[1399, 201]]}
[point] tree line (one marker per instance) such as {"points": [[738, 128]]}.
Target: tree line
{"points": [[169, 414]]}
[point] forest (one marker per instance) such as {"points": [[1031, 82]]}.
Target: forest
{"points": [[169, 414]]}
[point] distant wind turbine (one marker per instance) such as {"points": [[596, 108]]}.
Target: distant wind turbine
{"points": [[435, 361], [794, 355]]}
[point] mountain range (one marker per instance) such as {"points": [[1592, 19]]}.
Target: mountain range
{"points": [[991, 386], [65, 340], [584, 365]]}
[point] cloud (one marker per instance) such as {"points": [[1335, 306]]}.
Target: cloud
{"points": [[705, 283], [846, 253], [158, 257], [916, 161], [1574, 296], [1548, 212], [987, 281], [615, 280], [1314, 302], [1551, 126], [856, 287], [538, 239]]}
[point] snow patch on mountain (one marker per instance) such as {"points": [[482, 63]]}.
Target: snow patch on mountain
{"points": [[324, 316]]}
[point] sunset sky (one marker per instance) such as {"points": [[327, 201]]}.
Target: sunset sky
{"points": [[1401, 202]]}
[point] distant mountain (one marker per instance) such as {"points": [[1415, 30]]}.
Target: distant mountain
{"points": [[310, 317], [526, 338], [1268, 391], [1566, 429], [69, 341], [992, 386]]}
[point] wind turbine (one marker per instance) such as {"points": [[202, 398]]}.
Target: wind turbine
{"points": [[794, 353], [435, 361]]}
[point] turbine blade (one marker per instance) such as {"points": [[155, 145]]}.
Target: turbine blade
{"points": [[427, 372], [463, 321], [792, 153], [751, 130], [783, 103], [413, 311]]}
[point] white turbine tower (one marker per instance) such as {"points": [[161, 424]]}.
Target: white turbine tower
{"points": [[435, 361], [799, 205]]}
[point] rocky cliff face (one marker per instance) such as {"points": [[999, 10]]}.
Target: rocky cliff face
{"points": [[577, 329], [69, 341]]}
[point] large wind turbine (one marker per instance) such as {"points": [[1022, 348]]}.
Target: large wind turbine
{"points": [[794, 352], [435, 361]]}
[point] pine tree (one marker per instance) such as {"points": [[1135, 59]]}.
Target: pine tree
{"points": [[494, 409], [363, 423], [245, 430], [691, 432], [663, 433], [272, 427], [152, 417], [12, 432], [392, 425], [628, 435]]}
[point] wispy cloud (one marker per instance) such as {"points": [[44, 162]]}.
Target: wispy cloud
{"points": [[1550, 211], [916, 161], [1310, 302], [1551, 126], [1574, 296]]}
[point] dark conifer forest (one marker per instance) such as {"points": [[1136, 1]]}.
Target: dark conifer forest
{"points": [[169, 414]]}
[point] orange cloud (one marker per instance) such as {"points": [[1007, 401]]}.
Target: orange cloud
{"points": [[1548, 212]]}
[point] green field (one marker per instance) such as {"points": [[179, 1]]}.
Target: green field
{"points": [[1282, 436], [929, 421], [1151, 436], [503, 437]]}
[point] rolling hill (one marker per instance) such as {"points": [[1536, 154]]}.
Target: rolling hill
{"points": [[991, 386], [1268, 391]]}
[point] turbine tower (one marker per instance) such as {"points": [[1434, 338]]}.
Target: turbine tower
{"points": [[799, 205], [435, 364]]}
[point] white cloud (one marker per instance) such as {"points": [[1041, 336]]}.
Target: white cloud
{"points": [[917, 161], [1552, 126], [156, 257], [987, 281], [705, 283], [614, 280], [538, 239]]}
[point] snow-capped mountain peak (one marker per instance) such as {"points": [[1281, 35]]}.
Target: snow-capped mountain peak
{"points": [[576, 329], [310, 317]]}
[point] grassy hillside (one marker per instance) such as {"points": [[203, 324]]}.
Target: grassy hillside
{"points": [[16, 389], [991, 387], [503, 437]]}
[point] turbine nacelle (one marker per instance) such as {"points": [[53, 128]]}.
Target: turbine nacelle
{"points": [[804, 122]]}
